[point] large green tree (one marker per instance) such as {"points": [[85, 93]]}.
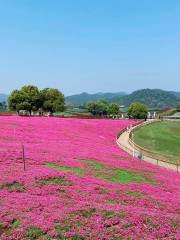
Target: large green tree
{"points": [[27, 98], [137, 111], [15, 99], [113, 108], [32, 98], [52, 100]]}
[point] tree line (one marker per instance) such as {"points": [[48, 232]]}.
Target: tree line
{"points": [[101, 107], [31, 99], [135, 110]]}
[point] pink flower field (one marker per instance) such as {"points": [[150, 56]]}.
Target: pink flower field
{"points": [[79, 184]]}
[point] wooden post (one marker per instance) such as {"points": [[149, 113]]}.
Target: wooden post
{"points": [[23, 157]]}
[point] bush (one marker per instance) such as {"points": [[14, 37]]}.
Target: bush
{"points": [[137, 111]]}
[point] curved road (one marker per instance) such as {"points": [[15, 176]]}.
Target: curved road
{"points": [[123, 142]]}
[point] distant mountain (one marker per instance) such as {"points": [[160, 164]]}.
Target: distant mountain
{"points": [[177, 94], [3, 97], [84, 97], [153, 98]]}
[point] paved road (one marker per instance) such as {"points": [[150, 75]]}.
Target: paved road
{"points": [[123, 142]]}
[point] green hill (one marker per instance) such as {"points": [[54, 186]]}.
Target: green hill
{"points": [[84, 97], [177, 94], [153, 98]]}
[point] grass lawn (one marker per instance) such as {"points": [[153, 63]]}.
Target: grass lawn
{"points": [[161, 137]]}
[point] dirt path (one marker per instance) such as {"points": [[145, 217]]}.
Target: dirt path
{"points": [[123, 142]]}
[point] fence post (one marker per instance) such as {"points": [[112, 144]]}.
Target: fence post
{"points": [[23, 157]]}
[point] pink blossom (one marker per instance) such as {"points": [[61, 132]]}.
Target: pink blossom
{"points": [[62, 193]]}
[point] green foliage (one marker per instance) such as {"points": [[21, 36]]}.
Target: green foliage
{"points": [[178, 107], [137, 111], [123, 176], [135, 194], [78, 171], [153, 98], [15, 99], [87, 212], [117, 175], [3, 106], [112, 214], [52, 100], [64, 228], [61, 181], [14, 223], [32, 102], [29, 98], [85, 98], [12, 187], [33, 233], [61, 229], [113, 108], [99, 107]]}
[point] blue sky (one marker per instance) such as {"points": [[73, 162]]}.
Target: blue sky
{"points": [[92, 46]]}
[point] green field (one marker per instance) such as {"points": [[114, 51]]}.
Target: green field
{"points": [[161, 137]]}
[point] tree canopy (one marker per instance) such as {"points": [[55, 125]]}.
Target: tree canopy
{"points": [[113, 108], [29, 98], [137, 111], [52, 100], [98, 108], [101, 107]]}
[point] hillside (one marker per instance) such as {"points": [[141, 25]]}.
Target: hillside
{"points": [[154, 98], [84, 97], [3, 97], [177, 94], [79, 185]]}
